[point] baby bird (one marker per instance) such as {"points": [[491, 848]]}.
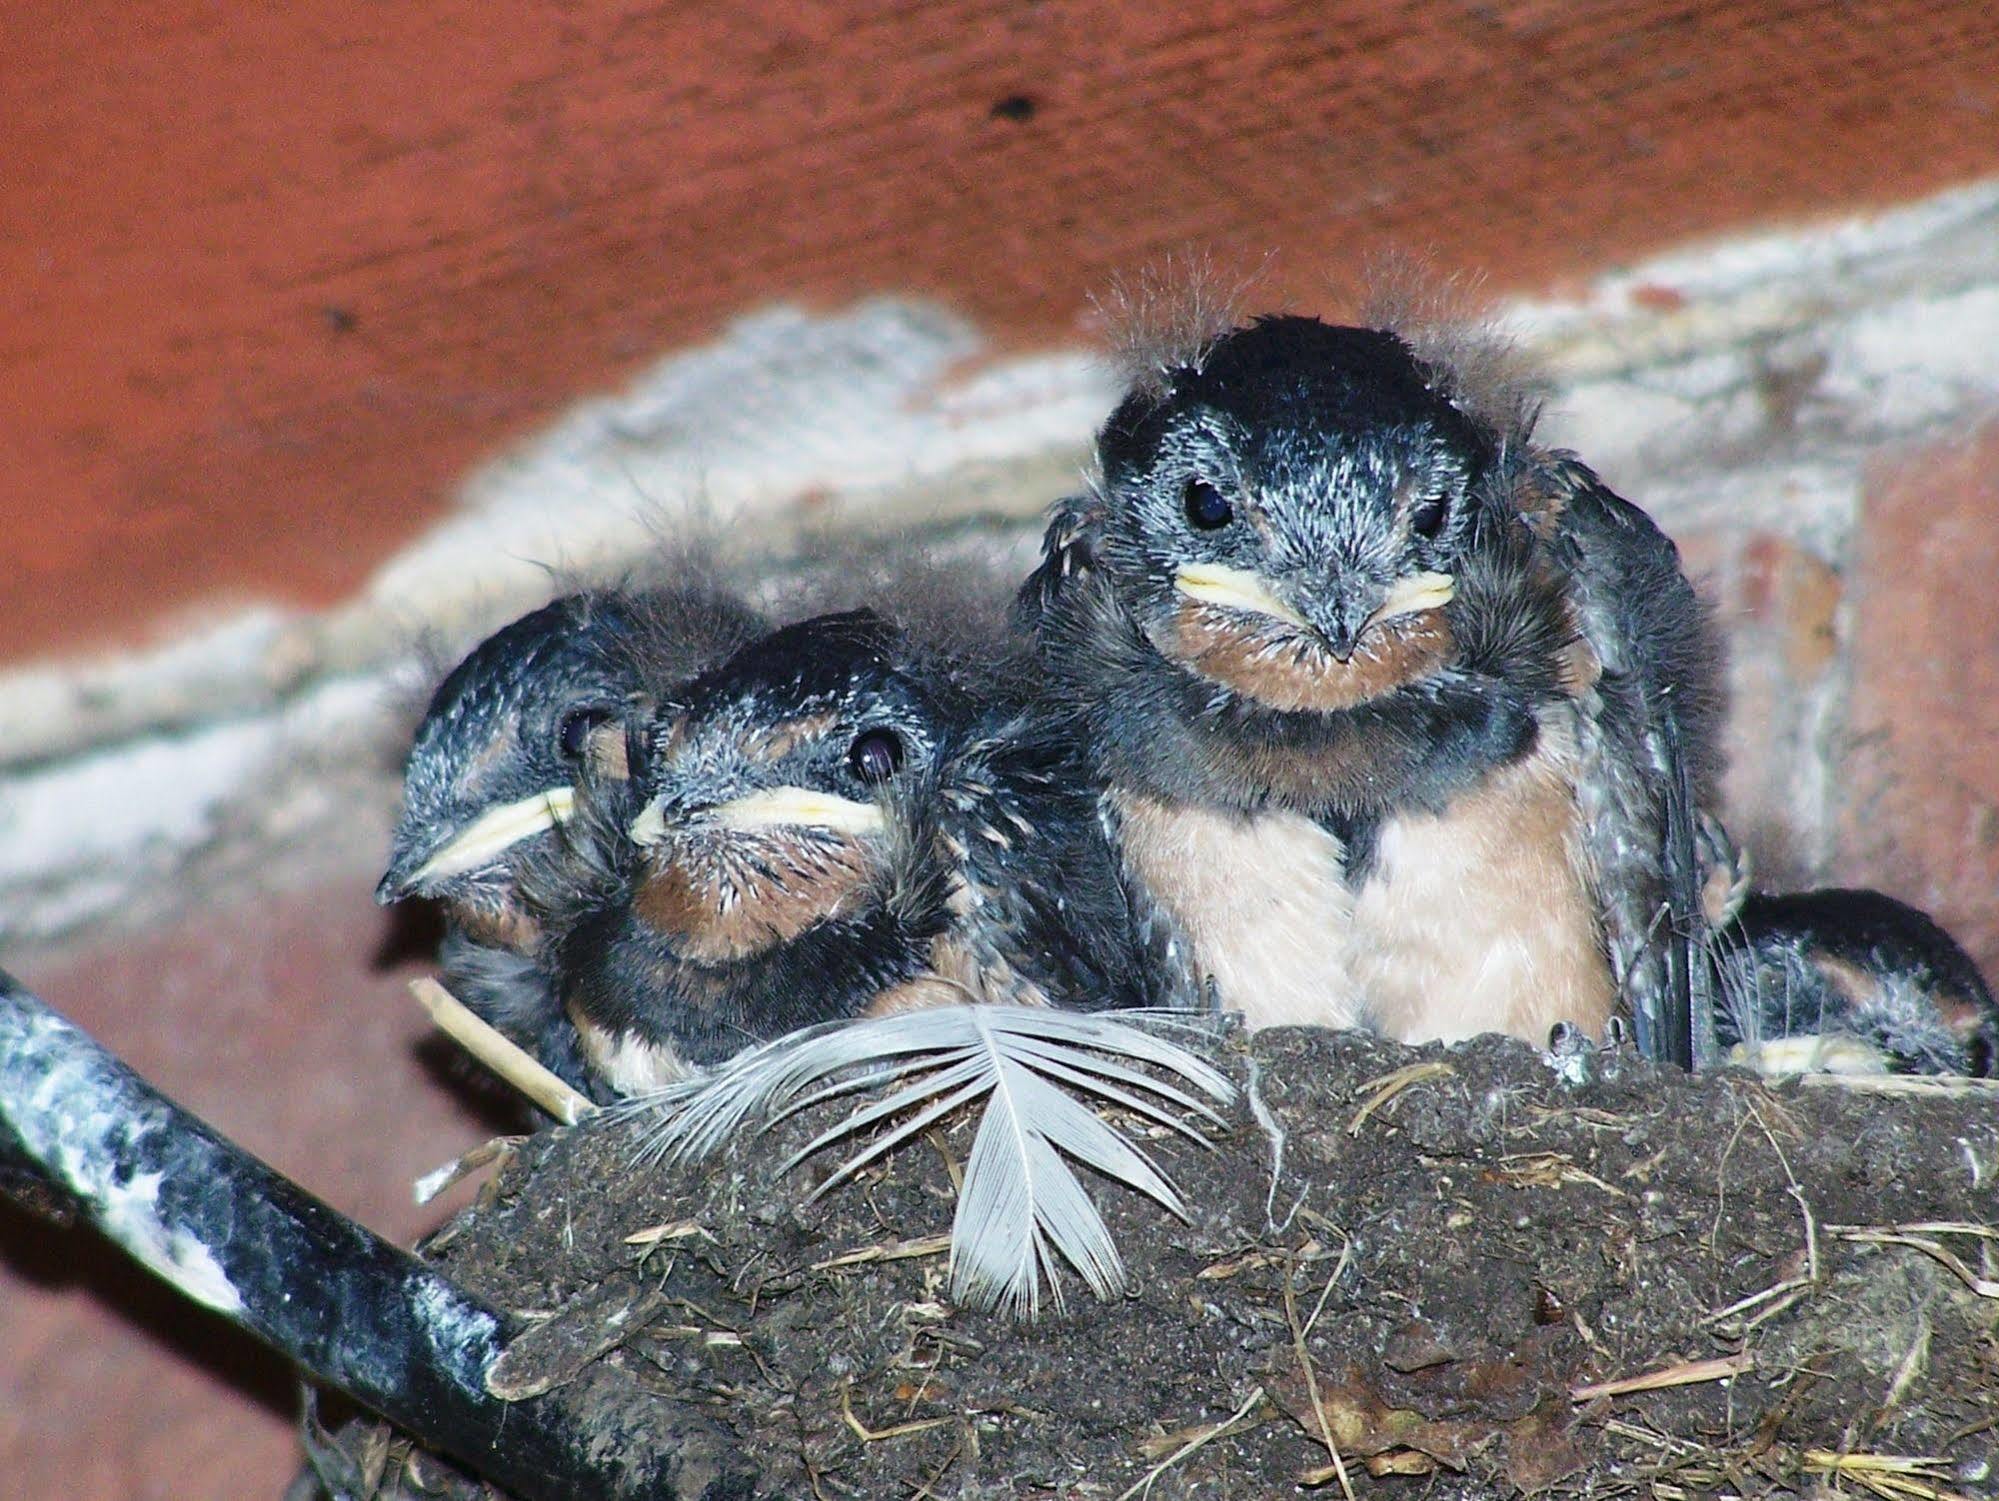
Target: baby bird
{"points": [[1402, 721], [838, 821], [1842, 981], [492, 775]]}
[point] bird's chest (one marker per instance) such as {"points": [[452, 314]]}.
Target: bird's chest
{"points": [[1479, 918], [975, 958], [1261, 899], [1482, 918]]}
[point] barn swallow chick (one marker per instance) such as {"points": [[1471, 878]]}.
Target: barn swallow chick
{"points": [[839, 822], [491, 779], [1392, 709], [1843, 981]]}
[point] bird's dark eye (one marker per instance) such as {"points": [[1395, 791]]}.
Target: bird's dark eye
{"points": [[572, 738], [1206, 507], [875, 755], [1426, 517]]}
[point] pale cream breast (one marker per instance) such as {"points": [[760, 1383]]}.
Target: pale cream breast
{"points": [[628, 1063], [1262, 899], [1483, 918]]}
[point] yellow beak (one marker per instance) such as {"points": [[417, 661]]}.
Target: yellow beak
{"points": [[773, 808], [496, 831], [1416, 593], [1239, 589], [1234, 589]]}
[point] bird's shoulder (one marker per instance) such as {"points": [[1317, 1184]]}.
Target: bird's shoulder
{"points": [[1038, 883], [1068, 555]]}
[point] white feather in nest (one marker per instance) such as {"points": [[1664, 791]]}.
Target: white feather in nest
{"points": [[1021, 1208]]}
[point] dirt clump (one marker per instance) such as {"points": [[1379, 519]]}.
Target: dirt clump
{"points": [[1438, 1272]]}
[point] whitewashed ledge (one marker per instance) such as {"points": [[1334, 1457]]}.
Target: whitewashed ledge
{"points": [[1730, 384]]}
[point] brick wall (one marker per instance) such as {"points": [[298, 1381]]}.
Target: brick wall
{"points": [[278, 277], [1919, 810]]}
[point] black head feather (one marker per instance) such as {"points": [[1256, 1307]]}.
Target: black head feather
{"points": [[1329, 470], [821, 810], [509, 722], [806, 706], [516, 718], [1327, 462]]}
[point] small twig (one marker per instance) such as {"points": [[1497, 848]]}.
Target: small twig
{"points": [[1389, 1085], [928, 1245], [928, 1490], [1549, 1170], [1976, 1425], [1687, 1373], [1274, 1132], [1311, 1376], [652, 1235], [456, 1171], [1915, 1360], [1789, 1291], [1790, 1285], [1985, 1287], [1665, 1443], [869, 1435], [1581, 1115], [1923, 1227], [1790, 1300], [1206, 1436], [505, 1058], [1339, 1270], [1721, 1185], [1896, 1477], [936, 1140], [1914, 1084], [1811, 1232], [1797, 1193]]}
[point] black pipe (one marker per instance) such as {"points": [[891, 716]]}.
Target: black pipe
{"points": [[346, 1307]]}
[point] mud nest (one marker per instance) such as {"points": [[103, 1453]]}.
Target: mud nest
{"points": [[1461, 1275]]}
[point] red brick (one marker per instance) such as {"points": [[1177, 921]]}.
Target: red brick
{"points": [[1777, 606], [1795, 596], [277, 274], [1921, 805]]}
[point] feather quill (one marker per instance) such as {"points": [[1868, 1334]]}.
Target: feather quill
{"points": [[1022, 1209], [1168, 315]]}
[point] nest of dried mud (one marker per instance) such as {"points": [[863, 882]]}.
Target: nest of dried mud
{"points": [[1462, 1276]]}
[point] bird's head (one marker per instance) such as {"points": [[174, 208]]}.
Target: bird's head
{"points": [[495, 764], [770, 785], [1284, 516]]}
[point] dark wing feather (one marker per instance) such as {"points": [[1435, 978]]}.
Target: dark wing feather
{"points": [[1648, 751], [1044, 894], [517, 996], [1068, 552], [1165, 952], [1055, 592]]}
